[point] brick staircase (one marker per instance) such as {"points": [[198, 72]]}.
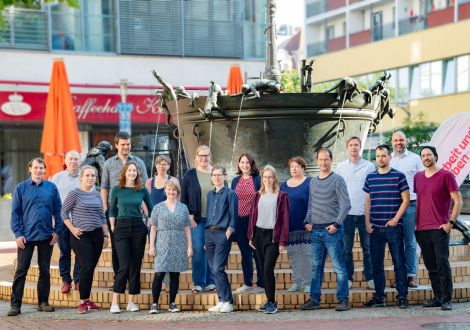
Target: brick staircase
{"points": [[103, 280]]}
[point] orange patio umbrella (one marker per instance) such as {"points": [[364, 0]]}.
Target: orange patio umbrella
{"points": [[235, 80], [60, 131]]}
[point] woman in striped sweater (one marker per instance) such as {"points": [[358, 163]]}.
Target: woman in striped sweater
{"points": [[83, 214]]}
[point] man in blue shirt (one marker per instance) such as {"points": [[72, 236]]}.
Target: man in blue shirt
{"points": [[35, 202]]}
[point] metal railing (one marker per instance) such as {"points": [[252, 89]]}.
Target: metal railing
{"points": [[24, 29], [412, 24], [316, 48], [315, 8]]}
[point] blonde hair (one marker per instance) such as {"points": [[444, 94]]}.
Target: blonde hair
{"points": [[172, 182], [87, 167], [276, 180], [198, 150]]}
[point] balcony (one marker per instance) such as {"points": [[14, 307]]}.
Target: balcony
{"points": [[412, 24], [337, 44], [464, 11], [440, 17], [316, 48], [24, 29], [359, 38], [382, 32]]}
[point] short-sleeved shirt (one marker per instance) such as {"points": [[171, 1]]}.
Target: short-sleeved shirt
{"points": [[385, 195], [433, 207], [409, 164]]}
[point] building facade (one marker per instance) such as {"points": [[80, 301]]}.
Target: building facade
{"points": [[189, 42], [421, 42]]}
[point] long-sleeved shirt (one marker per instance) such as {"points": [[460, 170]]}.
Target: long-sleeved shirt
{"points": [[409, 164], [129, 201], [112, 168], [86, 209], [32, 209], [222, 208], [354, 175], [328, 201]]}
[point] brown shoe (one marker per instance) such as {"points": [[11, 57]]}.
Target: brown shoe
{"points": [[412, 282], [14, 310], [44, 307]]}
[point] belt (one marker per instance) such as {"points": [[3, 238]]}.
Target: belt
{"points": [[215, 227], [321, 225]]}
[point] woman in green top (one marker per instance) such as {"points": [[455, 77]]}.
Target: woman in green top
{"points": [[130, 232]]}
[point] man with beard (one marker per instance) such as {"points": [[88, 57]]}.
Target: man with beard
{"points": [[387, 197], [435, 188]]}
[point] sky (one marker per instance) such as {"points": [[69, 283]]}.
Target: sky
{"points": [[290, 12]]}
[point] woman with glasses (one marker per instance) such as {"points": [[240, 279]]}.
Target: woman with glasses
{"points": [[299, 247], [155, 185], [268, 231], [222, 209], [195, 186], [245, 185]]}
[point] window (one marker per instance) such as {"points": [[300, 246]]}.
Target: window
{"points": [[463, 73], [431, 79], [449, 76], [330, 32], [403, 86]]}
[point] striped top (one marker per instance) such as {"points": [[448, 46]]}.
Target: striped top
{"points": [[86, 209], [385, 195], [328, 201]]}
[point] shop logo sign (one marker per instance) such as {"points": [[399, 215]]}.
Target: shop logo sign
{"points": [[16, 106]]}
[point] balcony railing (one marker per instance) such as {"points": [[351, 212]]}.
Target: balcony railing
{"points": [[440, 17], [412, 24], [24, 29], [315, 8], [316, 48], [337, 44], [382, 32]]}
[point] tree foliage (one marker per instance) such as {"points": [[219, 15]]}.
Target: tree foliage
{"points": [[290, 81]]}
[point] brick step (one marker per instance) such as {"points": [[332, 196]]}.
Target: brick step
{"points": [[104, 277], [188, 301], [457, 253]]}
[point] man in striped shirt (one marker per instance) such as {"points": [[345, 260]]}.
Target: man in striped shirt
{"points": [[386, 200]]}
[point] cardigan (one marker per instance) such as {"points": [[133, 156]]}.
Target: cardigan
{"points": [[191, 193], [281, 227]]}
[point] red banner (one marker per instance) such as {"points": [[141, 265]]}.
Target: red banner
{"points": [[30, 106]]}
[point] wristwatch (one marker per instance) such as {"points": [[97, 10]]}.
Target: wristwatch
{"points": [[452, 222]]}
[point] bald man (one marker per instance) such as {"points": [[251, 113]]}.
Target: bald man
{"points": [[66, 181]]}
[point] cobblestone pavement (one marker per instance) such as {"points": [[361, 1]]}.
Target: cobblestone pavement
{"points": [[415, 317]]}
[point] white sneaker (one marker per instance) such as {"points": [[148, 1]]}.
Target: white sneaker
{"points": [[217, 307], [115, 309], [209, 288], [295, 287], [226, 307], [371, 285], [131, 307], [257, 289], [349, 284], [244, 289]]}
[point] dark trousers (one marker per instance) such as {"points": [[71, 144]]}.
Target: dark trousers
{"points": [[267, 252], [157, 285], [217, 249], [24, 261], [248, 254], [65, 260], [350, 224], [394, 237], [130, 235], [88, 250], [435, 247], [114, 257]]}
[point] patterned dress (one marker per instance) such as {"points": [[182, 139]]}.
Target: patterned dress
{"points": [[171, 243]]}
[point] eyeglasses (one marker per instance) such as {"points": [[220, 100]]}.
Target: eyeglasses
{"points": [[203, 156], [218, 175], [268, 177]]}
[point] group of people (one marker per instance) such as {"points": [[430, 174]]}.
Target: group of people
{"points": [[310, 218]]}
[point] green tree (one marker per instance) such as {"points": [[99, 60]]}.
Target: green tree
{"points": [[290, 81], [418, 130]]}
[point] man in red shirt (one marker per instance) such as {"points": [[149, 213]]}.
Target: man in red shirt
{"points": [[435, 188]]}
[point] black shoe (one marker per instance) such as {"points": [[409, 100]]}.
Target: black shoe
{"points": [[342, 306], [271, 308], [262, 308], [402, 303], [374, 302], [432, 303], [14, 310], [44, 307], [310, 305], [447, 306]]}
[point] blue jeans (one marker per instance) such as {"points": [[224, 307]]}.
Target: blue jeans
{"points": [[65, 260], [201, 272], [248, 254], [350, 224], [394, 237], [409, 226], [218, 249], [332, 244]]}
